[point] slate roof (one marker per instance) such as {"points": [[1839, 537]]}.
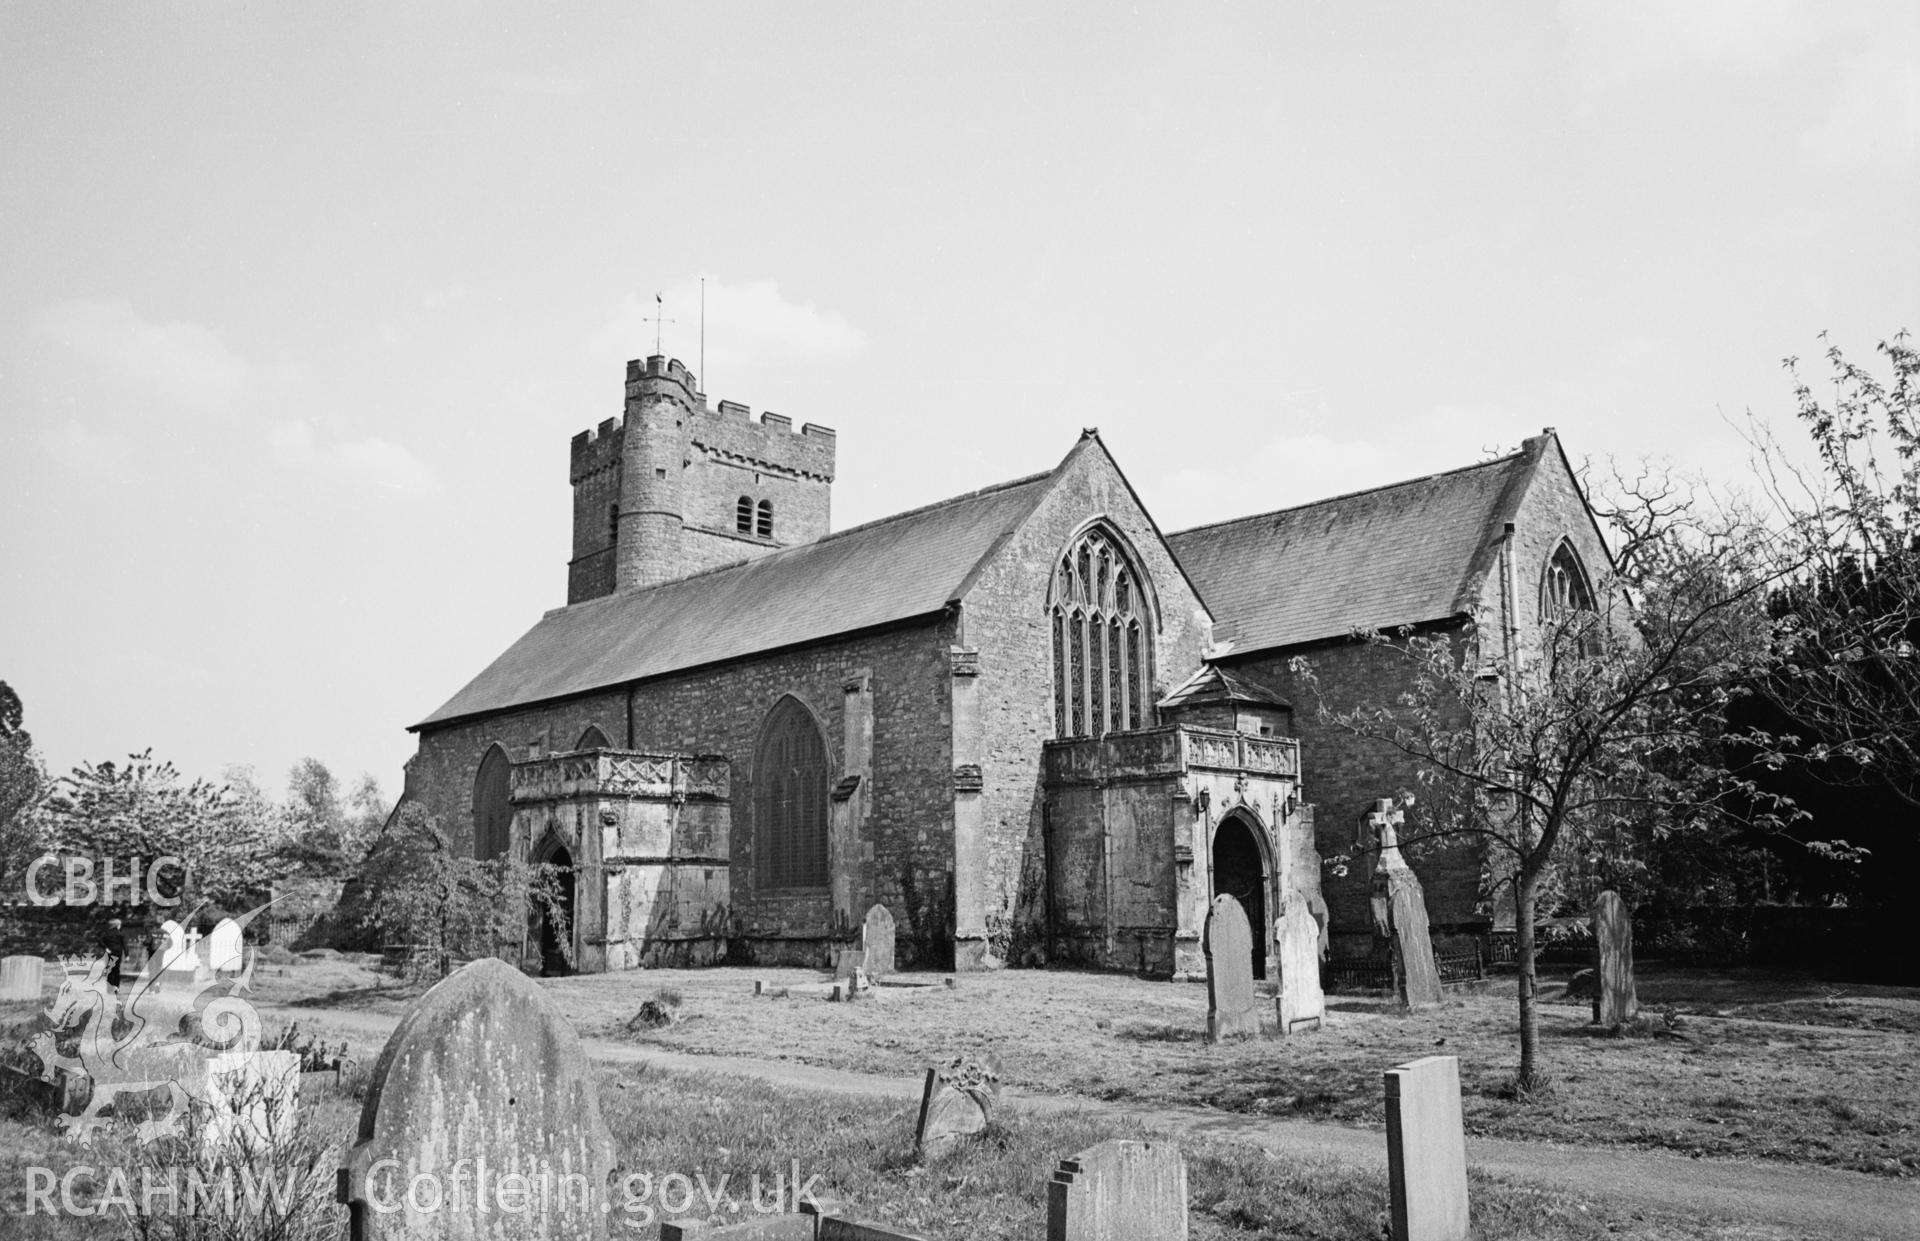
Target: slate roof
{"points": [[908, 565], [1396, 555], [1216, 684]]}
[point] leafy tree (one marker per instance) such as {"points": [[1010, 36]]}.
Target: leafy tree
{"points": [[1849, 680], [142, 810], [1602, 732], [22, 782], [428, 896], [322, 833]]}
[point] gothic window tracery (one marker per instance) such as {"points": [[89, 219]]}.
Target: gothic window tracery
{"points": [[790, 800], [1566, 600], [1101, 655]]}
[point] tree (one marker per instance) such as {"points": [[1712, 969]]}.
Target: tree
{"points": [[424, 894], [22, 782], [1849, 677], [1603, 732], [322, 834], [142, 810]]}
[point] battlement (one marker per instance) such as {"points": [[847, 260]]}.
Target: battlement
{"points": [[596, 449], [672, 369]]}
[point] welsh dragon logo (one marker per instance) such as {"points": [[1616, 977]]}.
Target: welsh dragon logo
{"points": [[172, 1026]]}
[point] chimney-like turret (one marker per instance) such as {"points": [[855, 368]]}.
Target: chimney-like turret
{"points": [[662, 400]]}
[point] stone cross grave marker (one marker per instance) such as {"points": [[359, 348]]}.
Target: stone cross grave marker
{"points": [[1426, 1151], [876, 941], [1119, 1191], [226, 947], [1231, 1007], [957, 1102], [175, 952], [1397, 889], [21, 978], [484, 1069], [1615, 1000]]}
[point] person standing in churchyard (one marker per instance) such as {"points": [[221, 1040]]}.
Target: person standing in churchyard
{"points": [[113, 942]]}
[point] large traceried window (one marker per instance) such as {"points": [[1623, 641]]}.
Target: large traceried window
{"points": [[1564, 588], [790, 800], [492, 811], [1102, 661]]}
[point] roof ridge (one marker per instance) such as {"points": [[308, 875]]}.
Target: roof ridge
{"points": [[777, 553], [1348, 495]]}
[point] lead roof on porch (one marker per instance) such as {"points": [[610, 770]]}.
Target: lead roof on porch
{"points": [[1216, 684], [911, 564], [1402, 554]]}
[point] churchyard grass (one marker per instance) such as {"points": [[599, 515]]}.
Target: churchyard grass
{"points": [[707, 1126], [1766, 1066]]}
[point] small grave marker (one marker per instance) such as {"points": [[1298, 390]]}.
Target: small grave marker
{"points": [[176, 954], [877, 942], [957, 1102], [1231, 1007], [226, 947], [21, 978], [1615, 1001], [1119, 1191], [1426, 1150], [483, 1068]]}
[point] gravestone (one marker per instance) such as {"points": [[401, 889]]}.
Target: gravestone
{"points": [[226, 947], [847, 964], [1119, 1191], [21, 978], [483, 1068], [253, 1099], [175, 954], [957, 1102], [1426, 1151], [1613, 943], [1401, 904], [876, 941], [1300, 932], [1231, 1007]]}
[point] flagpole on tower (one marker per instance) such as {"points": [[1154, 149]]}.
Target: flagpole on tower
{"points": [[703, 333]]}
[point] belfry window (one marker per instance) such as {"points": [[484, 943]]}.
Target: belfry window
{"points": [[1102, 659], [790, 800], [743, 515], [492, 811], [763, 525]]}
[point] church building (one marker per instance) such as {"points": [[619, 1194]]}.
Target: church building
{"points": [[1027, 721]]}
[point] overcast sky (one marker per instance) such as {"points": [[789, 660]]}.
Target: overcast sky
{"points": [[300, 305]]}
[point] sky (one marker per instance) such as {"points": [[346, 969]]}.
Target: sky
{"points": [[301, 305]]}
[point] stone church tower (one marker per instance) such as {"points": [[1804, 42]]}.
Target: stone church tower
{"points": [[673, 488]]}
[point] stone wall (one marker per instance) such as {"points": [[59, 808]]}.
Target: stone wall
{"points": [[1005, 618]]}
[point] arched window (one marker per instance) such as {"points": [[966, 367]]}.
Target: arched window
{"points": [[1102, 658], [764, 527], [790, 800], [593, 739], [1563, 588], [743, 515], [492, 811]]}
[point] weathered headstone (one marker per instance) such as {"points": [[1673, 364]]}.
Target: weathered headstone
{"points": [[226, 947], [1613, 942], [876, 941], [253, 1099], [957, 1102], [847, 963], [1119, 1191], [1300, 932], [1398, 896], [1231, 1006], [482, 1069], [175, 955], [21, 978], [1426, 1151]]}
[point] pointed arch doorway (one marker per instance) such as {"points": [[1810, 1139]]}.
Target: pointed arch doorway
{"points": [[546, 930], [1240, 871]]}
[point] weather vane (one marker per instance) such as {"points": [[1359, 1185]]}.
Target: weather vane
{"points": [[659, 312]]}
